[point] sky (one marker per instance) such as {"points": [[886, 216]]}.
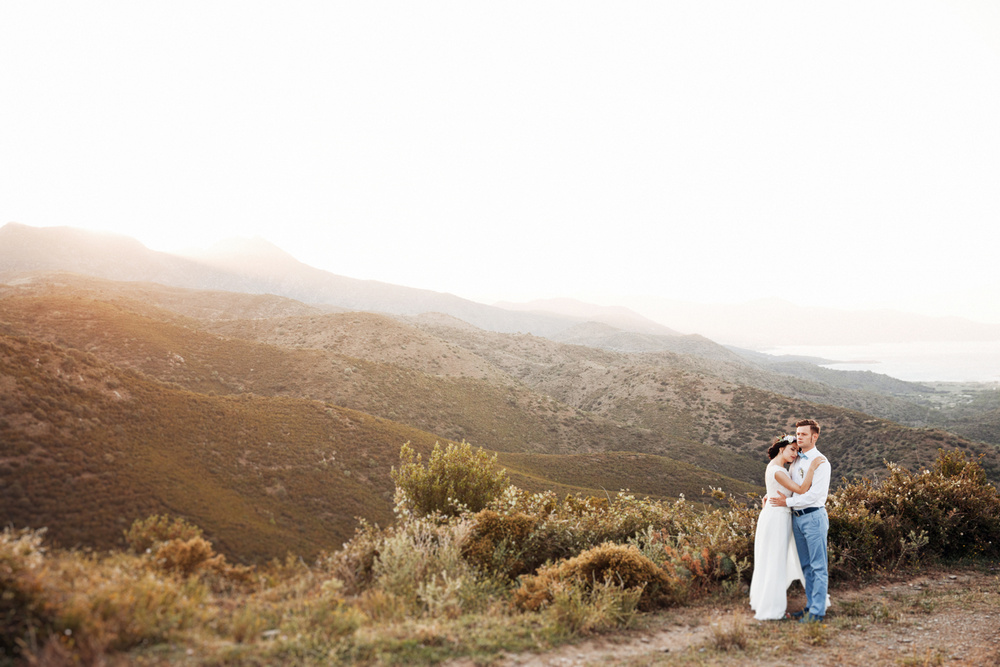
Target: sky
{"points": [[844, 153]]}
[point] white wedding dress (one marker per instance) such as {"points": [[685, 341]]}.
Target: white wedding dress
{"points": [[775, 558]]}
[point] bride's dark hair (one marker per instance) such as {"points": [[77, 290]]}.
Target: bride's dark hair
{"points": [[779, 443]]}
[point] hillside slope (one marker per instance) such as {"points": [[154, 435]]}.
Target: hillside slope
{"points": [[89, 447], [692, 402], [503, 392]]}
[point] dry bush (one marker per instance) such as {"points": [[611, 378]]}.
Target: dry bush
{"points": [[608, 563], [579, 609], [176, 546], [498, 544], [187, 557], [732, 636], [85, 606], [354, 563], [422, 563], [145, 534], [125, 608], [28, 611]]}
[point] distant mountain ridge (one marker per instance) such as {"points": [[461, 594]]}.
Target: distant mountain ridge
{"points": [[255, 266], [769, 323], [258, 267]]}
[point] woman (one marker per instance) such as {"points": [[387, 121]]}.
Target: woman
{"points": [[776, 561]]}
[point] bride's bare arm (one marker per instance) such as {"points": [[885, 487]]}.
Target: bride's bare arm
{"points": [[782, 477]]}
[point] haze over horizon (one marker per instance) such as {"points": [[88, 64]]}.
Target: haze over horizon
{"points": [[844, 156]]}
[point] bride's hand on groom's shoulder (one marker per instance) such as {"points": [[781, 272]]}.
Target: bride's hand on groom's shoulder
{"points": [[817, 462]]}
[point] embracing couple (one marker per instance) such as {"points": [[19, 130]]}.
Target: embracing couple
{"points": [[790, 542]]}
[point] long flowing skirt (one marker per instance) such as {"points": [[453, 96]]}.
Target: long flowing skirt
{"points": [[775, 563]]}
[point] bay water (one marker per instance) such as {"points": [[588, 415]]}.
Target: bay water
{"points": [[947, 361]]}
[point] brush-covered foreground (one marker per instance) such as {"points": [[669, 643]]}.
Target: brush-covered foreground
{"points": [[525, 572]]}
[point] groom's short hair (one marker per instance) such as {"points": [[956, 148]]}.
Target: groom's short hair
{"points": [[811, 423]]}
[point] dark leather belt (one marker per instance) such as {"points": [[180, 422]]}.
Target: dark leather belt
{"points": [[805, 511]]}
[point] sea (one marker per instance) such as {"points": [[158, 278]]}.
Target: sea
{"points": [[976, 361]]}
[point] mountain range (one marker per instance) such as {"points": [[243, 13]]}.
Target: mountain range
{"points": [[135, 382], [257, 266]]}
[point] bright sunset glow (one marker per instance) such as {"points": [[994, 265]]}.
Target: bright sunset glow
{"points": [[843, 154]]}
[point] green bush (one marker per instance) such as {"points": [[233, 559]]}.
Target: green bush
{"points": [[456, 480], [950, 511]]}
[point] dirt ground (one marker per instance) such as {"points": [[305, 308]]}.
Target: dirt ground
{"points": [[939, 617]]}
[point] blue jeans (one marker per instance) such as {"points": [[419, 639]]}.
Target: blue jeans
{"points": [[810, 531]]}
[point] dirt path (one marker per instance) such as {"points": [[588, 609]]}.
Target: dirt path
{"points": [[935, 618]]}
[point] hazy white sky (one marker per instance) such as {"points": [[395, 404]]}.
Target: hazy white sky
{"points": [[838, 153]]}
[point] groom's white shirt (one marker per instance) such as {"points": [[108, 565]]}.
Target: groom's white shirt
{"points": [[817, 493]]}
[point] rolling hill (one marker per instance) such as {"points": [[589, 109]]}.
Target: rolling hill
{"points": [[274, 423], [109, 415], [509, 393]]}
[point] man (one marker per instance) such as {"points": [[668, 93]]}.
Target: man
{"points": [[810, 523]]}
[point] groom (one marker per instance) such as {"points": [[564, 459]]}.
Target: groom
{"points": [[810, 523]]}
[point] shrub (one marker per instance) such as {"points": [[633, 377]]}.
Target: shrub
{"points": [[566, 528], [128, 607], [68, 607], [498, 544], [178, 547], [951, 511], [144, 534], [859, 540], [27, 614], [584, 609], [456, 480], [698, 561], [421, 563], [608, 563], [186, 557], [354, 563]]}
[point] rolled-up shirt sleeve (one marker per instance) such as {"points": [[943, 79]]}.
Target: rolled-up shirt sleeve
{"points": [[817, 493]]}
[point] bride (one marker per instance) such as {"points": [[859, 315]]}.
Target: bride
{"points": [[776, 561]]}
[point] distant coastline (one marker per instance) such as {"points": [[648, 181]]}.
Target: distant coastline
{"points": [[945, 361]]}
